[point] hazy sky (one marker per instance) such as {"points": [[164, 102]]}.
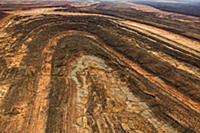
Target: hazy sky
{"points": [[171, 1], [168, 1]]}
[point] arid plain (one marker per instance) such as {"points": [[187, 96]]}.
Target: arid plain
{"points": [[105, 67]]}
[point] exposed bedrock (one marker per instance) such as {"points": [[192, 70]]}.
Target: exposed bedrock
{"points": [[90, 73]]}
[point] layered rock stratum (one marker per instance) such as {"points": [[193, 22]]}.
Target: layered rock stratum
{"points": [[92, 70]]}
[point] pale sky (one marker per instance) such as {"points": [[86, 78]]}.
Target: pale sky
{"points": [[168, 1]]}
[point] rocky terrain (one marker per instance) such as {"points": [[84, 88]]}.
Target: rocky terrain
{"points": [[99, 68], [191, 7]]}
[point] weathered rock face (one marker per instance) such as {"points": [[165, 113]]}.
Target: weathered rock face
{"points": [[64, 72]]}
